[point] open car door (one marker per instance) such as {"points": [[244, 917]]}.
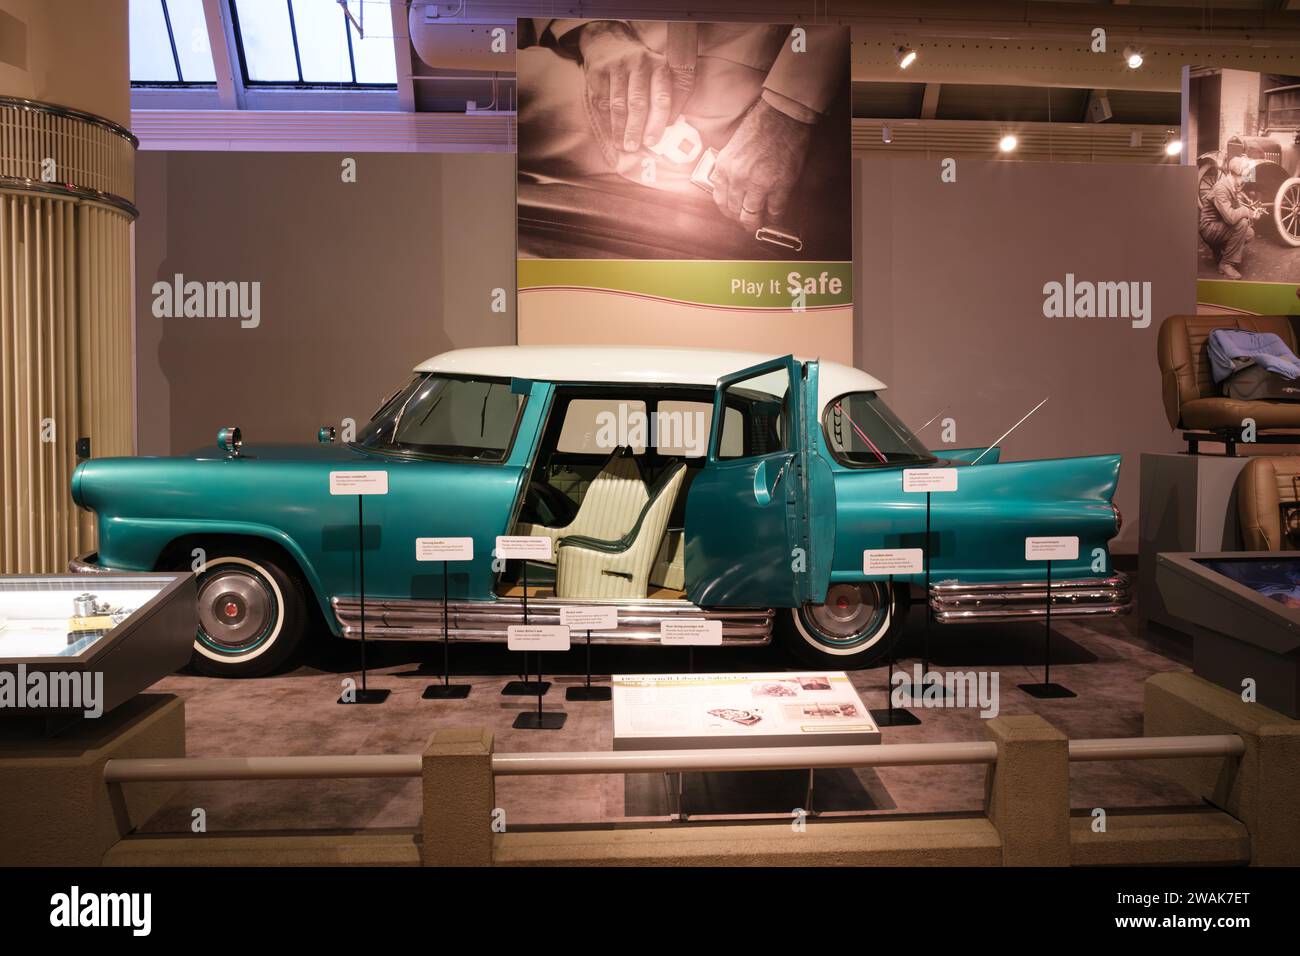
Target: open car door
{"points": [[760, 516]]}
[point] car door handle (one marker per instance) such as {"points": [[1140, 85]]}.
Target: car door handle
{"points": [[763, 494]]}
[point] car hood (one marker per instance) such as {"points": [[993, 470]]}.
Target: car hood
{"points": [[336, 451]]}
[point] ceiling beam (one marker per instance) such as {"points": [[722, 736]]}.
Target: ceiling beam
{"points": [[230, 87], [402, 53], [930, 101]]}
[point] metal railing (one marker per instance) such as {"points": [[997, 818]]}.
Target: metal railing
{"points": [[178, 769]]}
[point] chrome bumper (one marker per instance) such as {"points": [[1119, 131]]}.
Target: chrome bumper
{"points": [[954, 602], [88, 564], [638, 621]]}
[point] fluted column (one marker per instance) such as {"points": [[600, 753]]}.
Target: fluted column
{"points": [[66, 185]]}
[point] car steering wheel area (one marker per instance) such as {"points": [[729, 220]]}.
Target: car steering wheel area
{"points": [[547, 505]]}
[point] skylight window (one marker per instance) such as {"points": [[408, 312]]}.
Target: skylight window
{"points": [[169, 42], [313, 43]]}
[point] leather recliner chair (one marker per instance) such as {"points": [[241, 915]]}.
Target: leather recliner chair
{"points": [[1195, 404], [1264, 486]]}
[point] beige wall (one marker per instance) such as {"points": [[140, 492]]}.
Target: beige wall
{"points": [[69, 52], [950, 299], [359, 282]]}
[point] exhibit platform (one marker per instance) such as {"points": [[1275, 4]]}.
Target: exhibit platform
{"points": [[1104, 661]]}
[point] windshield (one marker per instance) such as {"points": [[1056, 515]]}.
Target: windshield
{"points": [[442, 417], [862, 430]]}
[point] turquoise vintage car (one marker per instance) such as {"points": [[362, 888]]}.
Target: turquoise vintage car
{"points": [[674, 483]]}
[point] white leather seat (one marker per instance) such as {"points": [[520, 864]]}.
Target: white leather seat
{"points": [[610, 507], [669, 570], [589, 567]]}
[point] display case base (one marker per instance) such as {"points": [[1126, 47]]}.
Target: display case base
{"points": [[446, 692]]}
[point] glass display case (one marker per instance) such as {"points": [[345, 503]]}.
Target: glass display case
{"points": [[106, 637], [1242, 610]]}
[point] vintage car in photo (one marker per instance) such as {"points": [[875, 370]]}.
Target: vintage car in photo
{"points": [[1273, 181], [674, 483]]}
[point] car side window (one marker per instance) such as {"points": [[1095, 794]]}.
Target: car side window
{"points": [[594, 426], [754, 422]]}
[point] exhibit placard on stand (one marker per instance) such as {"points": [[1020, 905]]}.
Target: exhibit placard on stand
{"points": [[596, 617], [1049, 548], [361, 484], [444, 550], [699, 711]]}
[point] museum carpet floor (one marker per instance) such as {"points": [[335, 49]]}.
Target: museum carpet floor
{"points": [[1105, 663]]}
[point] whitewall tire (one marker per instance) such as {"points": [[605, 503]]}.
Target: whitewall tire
{"points": [[252, 616], [851, 629]]}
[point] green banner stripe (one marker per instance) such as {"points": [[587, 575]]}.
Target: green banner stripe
{"points": [[753, 285], [1262, 298]]}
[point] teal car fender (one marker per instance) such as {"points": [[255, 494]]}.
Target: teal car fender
{"points": [[145, 507], [978, 532]]}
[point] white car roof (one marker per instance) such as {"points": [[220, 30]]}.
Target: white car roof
{"points": [[562, 363]]}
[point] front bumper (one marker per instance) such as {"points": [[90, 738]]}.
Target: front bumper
{"points": [[954, 602], [88, 564]]}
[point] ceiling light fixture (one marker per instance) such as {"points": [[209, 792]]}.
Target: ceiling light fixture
{"points": [[1132, 57], [885, 135], [1173, 146], [1008, 143], [906, 57]]}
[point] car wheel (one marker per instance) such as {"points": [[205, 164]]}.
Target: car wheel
{"points": [[252, 616], [849, 630], [1206, 177], [1286, 212]]}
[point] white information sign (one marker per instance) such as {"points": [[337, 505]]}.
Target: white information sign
{"points": [[670, 711], [444, 549], [703, 633], [1051, 549], [599, 617], [358, 482], [929, 479], [523, 547], [537, 637], [896, 561]]}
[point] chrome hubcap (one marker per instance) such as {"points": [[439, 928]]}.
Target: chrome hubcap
{"points": [[851, 612], [234, 608]]}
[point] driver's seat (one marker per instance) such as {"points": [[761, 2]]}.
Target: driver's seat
{"points": [[610, 507]]}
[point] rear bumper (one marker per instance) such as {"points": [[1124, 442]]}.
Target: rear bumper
{"points": [[955, 602]]}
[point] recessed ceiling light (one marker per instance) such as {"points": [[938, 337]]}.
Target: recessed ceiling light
{"points": [[1132, 57], [1008, 143], [1173, 147], [906, 57]]}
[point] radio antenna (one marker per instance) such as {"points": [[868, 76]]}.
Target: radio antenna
{"points": [[931, 421], [1010, 430]]}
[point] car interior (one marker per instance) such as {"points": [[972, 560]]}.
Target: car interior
{"points": [[610, 482]]}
